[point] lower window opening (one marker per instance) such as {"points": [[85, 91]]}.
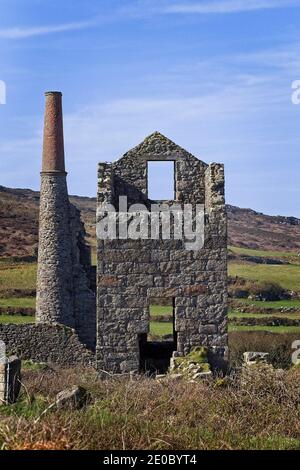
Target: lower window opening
{"points": [[157, 347]]}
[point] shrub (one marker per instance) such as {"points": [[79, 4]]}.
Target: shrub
{"points": [[268, 291], [242, 288], [279, 346]]}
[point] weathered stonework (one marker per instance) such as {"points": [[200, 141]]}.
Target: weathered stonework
{"points": [[45, 343], [54, 301], [131, 272]]}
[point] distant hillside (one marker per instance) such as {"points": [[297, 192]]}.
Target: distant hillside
{"points": [[250, 229], [19, 209], [246, 228]]}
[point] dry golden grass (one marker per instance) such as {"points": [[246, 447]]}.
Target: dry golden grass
{"points": [[142, 413]]}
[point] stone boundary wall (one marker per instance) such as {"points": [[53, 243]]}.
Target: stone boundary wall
{"points": [[45, 343], [23, 311]]}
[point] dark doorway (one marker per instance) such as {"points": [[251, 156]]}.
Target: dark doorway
{"points": [[157, 347]]}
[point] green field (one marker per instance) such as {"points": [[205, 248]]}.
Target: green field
{"points": [[23, 276], [17, 276], [20, 302], [16, 319], [271, 304], [291, 315], [161, 328], [272, 329], [263, 253], [156, 310], [288, 276]]}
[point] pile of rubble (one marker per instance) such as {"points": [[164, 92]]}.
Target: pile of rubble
{"points": [[192, 367]]}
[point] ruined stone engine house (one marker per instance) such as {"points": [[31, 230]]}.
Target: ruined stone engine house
{"points": [[112, 317]]}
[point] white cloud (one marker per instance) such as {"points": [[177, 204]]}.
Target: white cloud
{"points": [[227, 116], [143, 8], [26, 32], [228, 6], [205, 119]]}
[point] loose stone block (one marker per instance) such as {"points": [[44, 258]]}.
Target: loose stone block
{"points": [[10, 380], [251, 357]]}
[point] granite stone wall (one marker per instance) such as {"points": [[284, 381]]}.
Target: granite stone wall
{"points": [[54, 301], [63, 285], [45, 343], [131, 272]]}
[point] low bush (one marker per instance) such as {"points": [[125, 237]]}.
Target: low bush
{"points": [[279, 346], [242, 288], [25, 311]]}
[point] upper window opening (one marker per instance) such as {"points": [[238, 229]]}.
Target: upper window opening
{"points": [[161, 181]]}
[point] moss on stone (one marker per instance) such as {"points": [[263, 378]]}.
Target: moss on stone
{"points": [[192, 364], [198, 355]]}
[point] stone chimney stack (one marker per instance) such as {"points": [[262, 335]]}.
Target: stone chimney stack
{"points": [[54, 302]]}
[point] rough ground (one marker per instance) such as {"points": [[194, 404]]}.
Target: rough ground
{"points": [[259, 412]]}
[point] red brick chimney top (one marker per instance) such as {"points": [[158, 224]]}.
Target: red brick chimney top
{"points": [[53, 145]]}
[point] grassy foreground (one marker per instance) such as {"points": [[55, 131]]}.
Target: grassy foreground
{"points": [[143, 413]]}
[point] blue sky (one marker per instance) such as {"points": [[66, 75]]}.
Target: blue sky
{"points": [[214, 76]]}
